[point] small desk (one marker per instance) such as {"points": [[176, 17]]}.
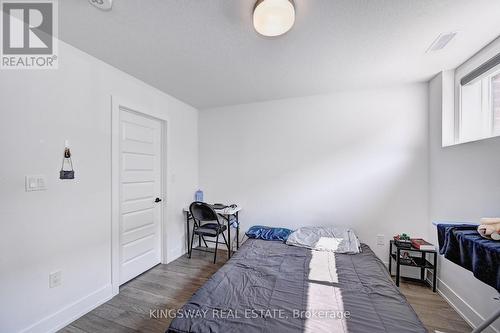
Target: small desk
{"points": [[420, 262], [229, 215]]}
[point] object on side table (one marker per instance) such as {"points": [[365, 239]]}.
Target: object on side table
{"points": [[403, 240], [405, 259], [421, 244]]}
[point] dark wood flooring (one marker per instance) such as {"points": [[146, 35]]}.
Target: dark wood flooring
{"points": [[170, 286]]}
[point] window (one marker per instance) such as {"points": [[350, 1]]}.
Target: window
{"points": [[495, 97], [479, 104]]}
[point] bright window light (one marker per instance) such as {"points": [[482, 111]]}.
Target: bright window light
{"points": [[479, 107]]}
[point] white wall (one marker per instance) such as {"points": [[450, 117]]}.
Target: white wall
{"points": [[68, 226], [350, 158], [465, 186]]}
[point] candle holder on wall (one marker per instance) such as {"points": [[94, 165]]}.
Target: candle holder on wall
{"points": [[67, 173]]}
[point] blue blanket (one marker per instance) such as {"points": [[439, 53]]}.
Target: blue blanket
{"points": [[462, 244]]}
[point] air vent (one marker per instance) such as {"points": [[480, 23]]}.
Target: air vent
{"points": [[441, 41]]}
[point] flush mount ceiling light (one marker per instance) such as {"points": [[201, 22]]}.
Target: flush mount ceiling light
{"points": [[273, 17]]}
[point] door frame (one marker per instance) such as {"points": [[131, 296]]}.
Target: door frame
{"points": [[118, 103]]}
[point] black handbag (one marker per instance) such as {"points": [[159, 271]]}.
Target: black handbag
{"points": [[67, 174]]}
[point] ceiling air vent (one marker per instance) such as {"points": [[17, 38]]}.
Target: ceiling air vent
{"points": [[441, 41]]}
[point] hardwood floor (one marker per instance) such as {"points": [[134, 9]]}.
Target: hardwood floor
{"points": [[162, 287], [432, 309], [170, 286]]}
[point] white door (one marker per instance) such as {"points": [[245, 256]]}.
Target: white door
{"points": [[140, 186]]}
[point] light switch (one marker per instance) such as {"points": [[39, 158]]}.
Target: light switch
{"points": [[35, 183], [41, 183]]}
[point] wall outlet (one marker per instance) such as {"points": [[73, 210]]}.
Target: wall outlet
{"points": [[380, 239], [55, 279]]}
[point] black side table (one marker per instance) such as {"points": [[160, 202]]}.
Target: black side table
{"points": [[414, 261]]}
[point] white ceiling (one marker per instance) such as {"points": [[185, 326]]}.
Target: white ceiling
{"points": [[206, 53]]}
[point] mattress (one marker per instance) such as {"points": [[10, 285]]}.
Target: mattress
{"points": [[268, 286]]}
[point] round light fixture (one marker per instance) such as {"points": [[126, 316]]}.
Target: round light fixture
{"points": [[273, 17]]}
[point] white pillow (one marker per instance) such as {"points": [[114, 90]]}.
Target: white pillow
{"points": [[333, 239]]}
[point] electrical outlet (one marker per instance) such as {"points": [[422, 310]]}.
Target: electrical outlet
{"points": [[55, 279], [380, 239]]}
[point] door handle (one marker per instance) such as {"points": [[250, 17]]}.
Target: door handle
{"points": [[157, 200]]}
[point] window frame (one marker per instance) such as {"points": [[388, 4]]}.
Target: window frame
{"points": [[494, 131], [487, 112]]}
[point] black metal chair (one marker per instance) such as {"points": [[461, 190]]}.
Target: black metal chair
{"points": [[206, 224]]}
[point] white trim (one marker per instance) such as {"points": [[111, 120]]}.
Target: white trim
{"points": [[467, 312], [449, 123], [115, 194], [116, 104], [71, 312]]}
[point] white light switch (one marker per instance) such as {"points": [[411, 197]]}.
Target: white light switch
{"points": [[35, 183], [41, 182]]}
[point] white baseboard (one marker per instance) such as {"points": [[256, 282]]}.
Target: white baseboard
{"points": [[71, 312], [471, 316]]}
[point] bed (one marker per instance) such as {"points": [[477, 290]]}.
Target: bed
{"points": [[268, 286]]}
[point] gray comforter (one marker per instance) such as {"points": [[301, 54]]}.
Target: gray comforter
{"points": [[269, 286]]}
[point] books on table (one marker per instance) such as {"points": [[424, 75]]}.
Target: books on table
{"points": [[422, 244]]}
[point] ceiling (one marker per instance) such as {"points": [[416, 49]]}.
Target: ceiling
{"points": [[206, 52]]}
